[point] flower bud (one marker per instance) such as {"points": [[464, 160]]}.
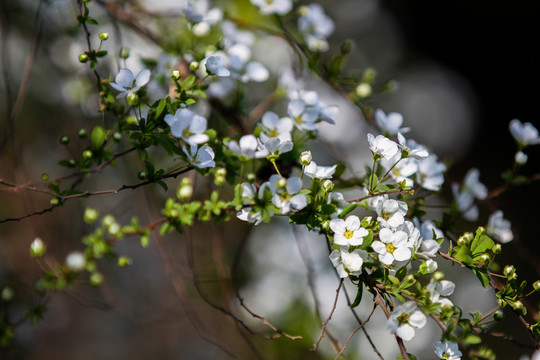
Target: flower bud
{"points": [[124, 261], [194, 65], [37, 248], [497, 248], [132, 99], [251, 177], [44, 177], [175, 75], [521, 158], [87, 154], [429, 266], [64, 140], [76, 261], [96, 279], [465, 239], [108, 220], [369, 75], [498, 315], [363, 90], [518, 305], [328, 185], [103, 36], [124, 53], [509, 270], [281, 183], [305, 158], [83, 58], [438, 276], [325, 225], [7, 294], [484, 258], [114, 229], [410, 278], [82, 134], [117, 136], [536, 285], [90, 215], [184, 190]]}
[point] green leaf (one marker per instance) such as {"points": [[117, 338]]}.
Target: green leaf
{"points": [[160, 107], [347, 210], [98, 137], [358, 297], [472, 339], [327, 209], [464, 255], [481, 243], [482, 275], [101, 53], [385, 187], [162, 184], [190, 80], [90, 20]]}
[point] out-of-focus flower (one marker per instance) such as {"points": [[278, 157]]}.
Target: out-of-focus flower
{"points": [[126, 83], [525, 134], [499, 227], [202, 157], [215, 65], [390, 123], [315, 26], [280, 7]]}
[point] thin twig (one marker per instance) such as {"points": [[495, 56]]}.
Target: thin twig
{"points": [[316, 344]]}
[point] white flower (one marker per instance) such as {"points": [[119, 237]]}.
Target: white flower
{"points": [[391, 212], [126, 83], [316, 26], [499, 227], [280, 7], [525, 134], [430, 173], [273, 126], [413, 149], [347, 262], [276, 146], [521, 158], [188, 126], [215, 65], [247, 148], [390, 123], [202, 157], [315, 171], [441, 288], [404, 319], [448, 350], [249, 193], [348, 231], [471, 188], [76, 261], [239, 55], [287, 198], [392, 246], [382, 146], [304, 117]]}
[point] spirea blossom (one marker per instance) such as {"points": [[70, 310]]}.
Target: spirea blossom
{"points": [[525, 134], [390, 123], [280, 7], [215, 65], [447, 350], [348, 231], [404, 319], [499, 227], [202, 157], [315, 171], [187, 126], [126, 83], [315, 26], [348, 263], [382, 147], [247, 148], [392, 246]]}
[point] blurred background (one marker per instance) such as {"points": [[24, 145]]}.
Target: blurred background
{"points": [[465, 69]]}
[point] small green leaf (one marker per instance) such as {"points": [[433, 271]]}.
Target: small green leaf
{"points": [[481, 243], [190, 80], [482, 275], [347, 210], [358, 297]]}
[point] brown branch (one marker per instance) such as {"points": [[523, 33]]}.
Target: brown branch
{"points": [[360, 326], [180, 289], [316, 344]]}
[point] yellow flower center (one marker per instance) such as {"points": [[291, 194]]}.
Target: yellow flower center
{"points": [[273, 133], [445, 356], [298, 120], [390, 248], [348, 234], [403, 318], [186, 133]]}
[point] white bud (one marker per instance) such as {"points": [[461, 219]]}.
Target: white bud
{"points": [[521, 158], [37, 248], [76, 261], [363, 90], [305, 158], [281, 183]]}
